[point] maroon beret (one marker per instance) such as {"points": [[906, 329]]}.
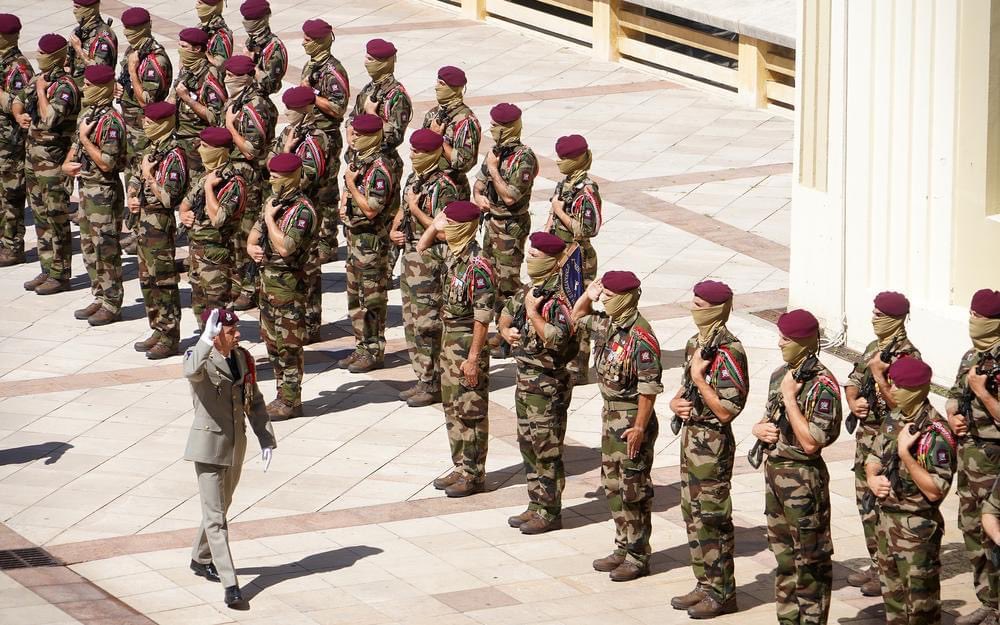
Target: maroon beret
{"points": [[713, 292], [239, 65], [194, 36], [135, 16], [85, 3], [620, 281], [547, 243], [380, 49], [367, 124], [9, 24], [452, 76], [216, 137], [798, 324], [909, 372], [51, 43], [505, 113], [571, 146], [299, 97], [255, 9], [226, 316], [316, 29], [99, 74], [892, 303], [210, 2], [157, 111], [284, 163], [425, 140], [462, 211], [986, 302]]}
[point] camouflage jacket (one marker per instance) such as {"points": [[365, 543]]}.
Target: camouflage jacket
{"points": [[393, 106], [728, 374], [877, 413], [232, 194], [49, 137], [100, 43], [819, 401], [329, 79], [518, 167], [469, 287], [15, 76], [298, 221], [379, 183], [434, 192], [255, 121], [271, 57], [170, 169], [626, 357], [313, 147], [220, 39], [157, 76], [981, 423], [557, 346], [109, 135], [582, 202], [462, 132], [207, 86]]}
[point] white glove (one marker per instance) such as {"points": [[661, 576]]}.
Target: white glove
{"points": [[213, 327], [265, 456]]}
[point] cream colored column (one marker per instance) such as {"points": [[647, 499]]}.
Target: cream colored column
{"points": [[606, 29], [474, 9]]}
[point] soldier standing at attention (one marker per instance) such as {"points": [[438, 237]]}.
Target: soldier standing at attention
{"points": [[211, 212], [629, 373], [973, 412], [917, 440], [269, 54], [326, 76], [55, 99], [576, 216], [804, 395], [716, 383], [281, 243], [97, 158], [220, 36], [385, 97], [225, 395], [456, 122], [503, 193], [369, 205], [93, 42], [155, 195], [544, 342], [467, 309], [200, 93], [427, 192], [15, 75], [869, 374]]}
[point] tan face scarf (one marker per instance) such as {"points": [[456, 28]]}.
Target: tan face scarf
{"points": [[575, 168], [506, 134], [208, 12], [622, 306], [460, 234], [710, 319], [448, 96], [235, 84], [367, 145], [283, 185], [796, 350], [48, 62], [190, 59], [909, 400], [886, 327], [540, 268], [7, 43], [380, 68], [96, 95], [139, 37], [159, 130], [318, 49], [256, 28], [425, 162], [985, 333], [85, 15], [213, 157], [295, 118]]}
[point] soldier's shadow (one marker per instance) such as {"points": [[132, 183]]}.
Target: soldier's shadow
{"points": [[269, 576]]}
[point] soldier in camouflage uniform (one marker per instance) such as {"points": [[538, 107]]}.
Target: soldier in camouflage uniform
{"points": [[251, 117], [973, 411], [93, 42], [368, 207], [303, 138], [211, 212], [269, 54], [150, 75], [290, 224], [803, 416], [629, 374], [503, 193], [96, 160], [576, 216], [56, 100], [543, 346], [327, 77], [715, 386], [220, 36], [909, 498], [15, 75], [427, 192], [467, 309], [155, 195], [889, 318], [456, 122]]}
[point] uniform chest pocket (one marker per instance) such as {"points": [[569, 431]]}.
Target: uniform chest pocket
{"points": [[207, 425]]}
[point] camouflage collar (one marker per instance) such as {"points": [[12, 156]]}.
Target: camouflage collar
{"points": [[11, 55], [214, 25]]}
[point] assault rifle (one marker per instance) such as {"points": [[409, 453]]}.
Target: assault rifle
{"points": [[990, 367], [491, 191], [521, 316], [869, 388], [777, 414], [890, 469], [691, 393], [253, 269], [125, 80]]}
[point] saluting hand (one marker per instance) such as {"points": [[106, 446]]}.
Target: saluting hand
{"points": [[265, 456]]}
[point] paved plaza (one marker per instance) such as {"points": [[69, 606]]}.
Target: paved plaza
{"points": [[345, 527]]}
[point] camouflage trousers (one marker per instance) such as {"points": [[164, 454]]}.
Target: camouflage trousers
{"points": [[328, 197], [211, 277], [421, 290], [580, 366], [466, 410], [313, 273], [48, 194], [910, 567], [503, 246], [797, 506], [251, 215], [367, 291], [282, 325], [100, 225], [627, 483], [542, 402], [978, 467], [869, 522], [158, 274], [707, 454], [12, 202]]}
